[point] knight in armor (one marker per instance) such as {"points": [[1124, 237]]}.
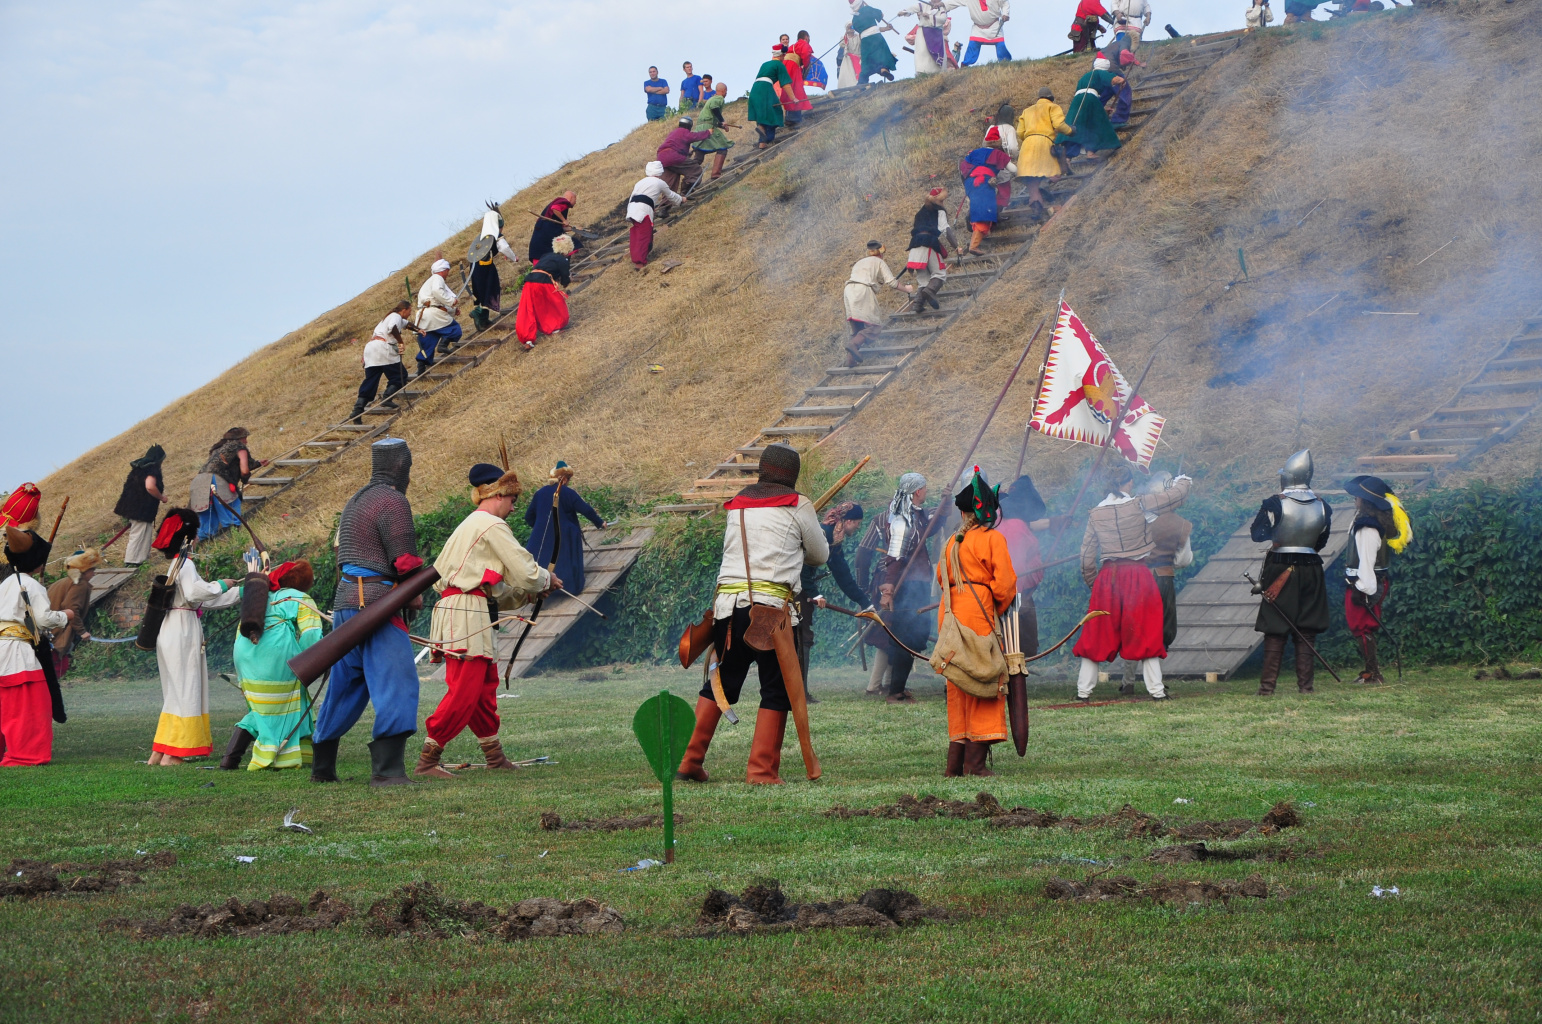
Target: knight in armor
{"points": [[901, 581], [930, 236], [1296, 523], [1170, 535], [376, 546], [771, 534], [490, 244], [29, 693], [1381, 529], [482, 568], [1114, 560]]}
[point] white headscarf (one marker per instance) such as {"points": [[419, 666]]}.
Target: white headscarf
{"points": [[440, 267], [1101, 64], [655, 169], [902, 511]]}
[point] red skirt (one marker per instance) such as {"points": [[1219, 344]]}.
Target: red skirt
{"points": [[1133, 626], [1360, 619], [543, 309], [641, 240]]}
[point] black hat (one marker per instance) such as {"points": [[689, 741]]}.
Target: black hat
{"points": [[483, 473], [780, 464], [1022, 500], [1372, 489], [153, 457], [25, 550], [980, 498]]}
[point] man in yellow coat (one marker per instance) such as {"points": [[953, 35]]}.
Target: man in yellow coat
{"points": [[481, 568], [1036, 130]]}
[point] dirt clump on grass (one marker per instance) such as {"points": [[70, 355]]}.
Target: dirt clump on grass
{"points": [[280, 914], [1502, 672], [915, 808], [26, 879], [420, 910], [763, 907], [552, 822], [1097, 889], [1190, 853], [1131, 823]]}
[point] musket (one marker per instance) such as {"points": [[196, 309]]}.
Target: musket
{"points": [[55, 531], [828, 496], [556, 545], [1300, 637]]}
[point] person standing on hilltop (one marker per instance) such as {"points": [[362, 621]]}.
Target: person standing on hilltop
{"points": [[795, 101], [849, 70], [552, 222], [1113, 559], [383, 358], [932, 18], [767, 95], [1086, 27], [877, 59], [1137, 15], [646, 195], [985, 171], [1037, 128], [1090, 129], [990, 19], [543, 304], [482, 570], [690, 88], [716, 144], [860, 297], [1296, 523], [930, 236], [561, 541], [144, 490], [437, 307], [657, 91]]}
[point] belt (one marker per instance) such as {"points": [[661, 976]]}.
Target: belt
{"points": [[645, 200], [1293, 550], [871, 31], [1164, 570], [780, 591], [456, 591], [359, 574], [766, 80], [1090, 92], [16, 631]]}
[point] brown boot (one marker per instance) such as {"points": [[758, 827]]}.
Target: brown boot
{"points": [[1274, 654], [1306, 662], [974, 758], [766, 749], [428, 762], [496, 759], [955, 760], [717, 163], [1372, 673], [707, 714]]}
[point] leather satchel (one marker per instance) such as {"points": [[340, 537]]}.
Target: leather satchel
{"points": [[973, 663]]}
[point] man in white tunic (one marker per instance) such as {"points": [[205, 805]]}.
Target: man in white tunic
{"points": [[27, 702], [868, 274], [990, 19], [383, 358], [183, 730], [436, 315], [1138, 15], [932, 17], [645, 198], [481, 568]]}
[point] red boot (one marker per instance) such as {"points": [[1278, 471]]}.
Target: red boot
{"points": [[707, 714], [766, 749]]}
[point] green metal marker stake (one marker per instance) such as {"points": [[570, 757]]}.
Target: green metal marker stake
{"points": [[1243, 263], [663, 727]]}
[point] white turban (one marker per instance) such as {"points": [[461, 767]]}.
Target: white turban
{"points": [[440, 267], [1101, 64], [655, 169]]}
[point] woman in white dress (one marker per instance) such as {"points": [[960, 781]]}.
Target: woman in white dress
{"points": [[183, 730]]}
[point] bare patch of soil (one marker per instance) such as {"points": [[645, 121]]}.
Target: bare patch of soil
{"points": [[421, 910], [1128, 821], [916, 808], [551, 822], [278, 915], [26, 879], [763, 907], [1096, 889], [1190, 853], [1502, 672]]}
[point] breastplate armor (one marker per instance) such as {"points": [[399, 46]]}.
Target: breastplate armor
{"points": [[1302, 518]]}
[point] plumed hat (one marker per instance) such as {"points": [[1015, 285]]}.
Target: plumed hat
{"points": [[981, 498], [780, 464], [20, 509], [488, 481], [25, 550], [1372, 489]]}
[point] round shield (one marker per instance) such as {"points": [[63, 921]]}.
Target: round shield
{"points": [[482, 248]]}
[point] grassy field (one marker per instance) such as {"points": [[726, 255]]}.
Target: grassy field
{"points": [[1431, 786]]}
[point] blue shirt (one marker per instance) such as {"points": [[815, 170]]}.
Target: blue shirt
{"points": [[657, 99], [691, 88]]}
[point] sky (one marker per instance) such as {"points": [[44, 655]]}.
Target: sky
{"points": [[187, 182]]}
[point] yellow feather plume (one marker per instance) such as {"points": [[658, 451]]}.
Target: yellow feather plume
{"points": [[1404, 527]]}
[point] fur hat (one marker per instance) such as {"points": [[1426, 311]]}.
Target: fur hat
{"points": [[488, 481], [20, 509], [296, 575], [780, 464], [25, 550], [562, 245], [561, 471], [82, 561]]}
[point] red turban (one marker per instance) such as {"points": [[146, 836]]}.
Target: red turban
{"points": [[276, 576], [21, 507], [170, 527]]}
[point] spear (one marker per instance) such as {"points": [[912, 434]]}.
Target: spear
{"points": [[828, 496], [55, 531]]}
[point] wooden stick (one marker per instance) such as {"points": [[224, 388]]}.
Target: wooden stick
{"points": [[991, 415], [825, 498], [1038, 389], [55, 531]]}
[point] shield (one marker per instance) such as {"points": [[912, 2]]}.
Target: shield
{"points": [[198, 496], [482, 248]]}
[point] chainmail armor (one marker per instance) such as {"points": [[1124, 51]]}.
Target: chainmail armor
{"points": [[376, 526]]}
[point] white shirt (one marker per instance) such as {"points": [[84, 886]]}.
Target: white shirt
{"points": [[1367, 546], [656, 190], [929, 17], [381, 350], [989, 17], [1133, 11], [435, 293], [17, 656], [782, 540]]}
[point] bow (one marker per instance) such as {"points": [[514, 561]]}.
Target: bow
{"points": [[873, 616]]}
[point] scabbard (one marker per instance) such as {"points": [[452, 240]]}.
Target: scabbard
{"points": [[1017, 712], [715, 678], [792, 678]]}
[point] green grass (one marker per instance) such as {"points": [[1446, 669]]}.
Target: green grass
{"points": [[1431, 786]]}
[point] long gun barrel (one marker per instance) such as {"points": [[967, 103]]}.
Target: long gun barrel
{"points": [[309, 664]]}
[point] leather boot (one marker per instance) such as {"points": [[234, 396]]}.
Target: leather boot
{"points": [[1372, 673], [707, 715], [428, 762], [1274, 654], [717, 163], [497, 760], [955, 760], [854, 348], [358, 413], [324, 760], [388, 760], [766, 749], [240, 739], [974, 758], [929, 293], [1306, 663]]}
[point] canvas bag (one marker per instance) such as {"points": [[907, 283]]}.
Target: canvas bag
{"points": [[973, 663]]}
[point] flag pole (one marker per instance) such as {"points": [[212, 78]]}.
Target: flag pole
{"points": [[991, 415]]}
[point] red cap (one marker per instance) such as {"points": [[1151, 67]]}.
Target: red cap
{"points": [[21, 507]]}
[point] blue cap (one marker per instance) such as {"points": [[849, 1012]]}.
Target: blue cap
{"points": [[484, 473]]}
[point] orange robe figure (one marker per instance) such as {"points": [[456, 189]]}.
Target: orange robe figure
{"points": [[988, 584]]}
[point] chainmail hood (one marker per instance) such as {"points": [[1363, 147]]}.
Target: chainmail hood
{"points": [[780, 464], [375, 531], [391, 463]]}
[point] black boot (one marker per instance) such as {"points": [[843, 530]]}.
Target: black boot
{"points": [[1274, 654], [324, 760], [388, 760], [929, 293], [240, 739], [358, 413]]}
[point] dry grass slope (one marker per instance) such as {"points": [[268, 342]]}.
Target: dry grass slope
{"points": [[1404, 128]]}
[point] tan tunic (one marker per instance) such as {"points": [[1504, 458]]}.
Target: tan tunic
{"points": [[861, 295], [1119, 527], [483, 560], [65, 594]]}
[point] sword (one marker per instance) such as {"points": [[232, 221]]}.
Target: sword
{"points": [[1300, 637]]}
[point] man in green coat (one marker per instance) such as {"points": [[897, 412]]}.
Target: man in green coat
{"points": [[766, 96], [715, 145], [1090, 128], [877, 59]]}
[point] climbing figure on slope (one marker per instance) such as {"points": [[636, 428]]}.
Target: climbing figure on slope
{"points": [[553, 221], [795, 101], [1133, 17], [543, 304], [986, 171], [716, 144], [877, 59], [224, 474], [1037, 128], [1381, 529], [767, 94], [1124, 94], [860, 297], [486, 288], [771, 534], [1296, 523], [1090, 129], [383, 358], [990, 19], [680, 170], [437, 307], [930, 236], [483, 571], [1114, 556], [640, 209]]}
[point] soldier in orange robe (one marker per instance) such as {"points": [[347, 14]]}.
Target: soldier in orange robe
{"points": [[980, 592]]}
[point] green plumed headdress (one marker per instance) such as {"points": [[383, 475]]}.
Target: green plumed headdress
{"points": [[981, 498]]}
